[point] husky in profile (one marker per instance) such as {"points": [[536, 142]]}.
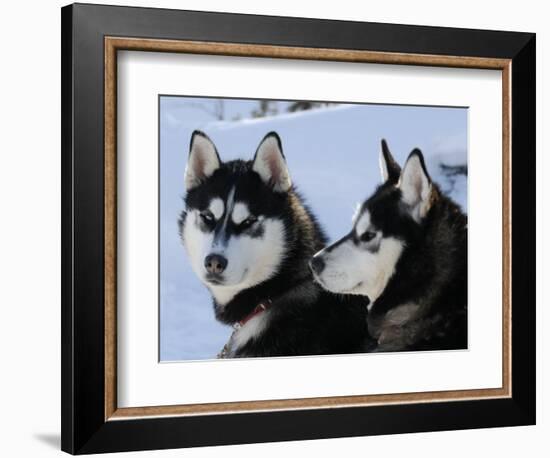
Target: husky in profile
{"points": [[249, 238], [407, 255]]}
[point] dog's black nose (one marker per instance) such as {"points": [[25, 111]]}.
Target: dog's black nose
{"points": [[317, 264], [215, 263]]}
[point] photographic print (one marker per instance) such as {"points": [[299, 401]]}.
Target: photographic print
{"points": [[298, 228], [336, 210]]}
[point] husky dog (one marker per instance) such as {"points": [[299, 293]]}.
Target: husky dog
{"points": [[249, 238], [406, 253]]}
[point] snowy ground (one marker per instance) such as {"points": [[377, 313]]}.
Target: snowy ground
{"points": [[332, 155]]}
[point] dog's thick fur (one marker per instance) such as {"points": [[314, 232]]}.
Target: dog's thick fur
{"points": [[414, 240], [276, 243]]}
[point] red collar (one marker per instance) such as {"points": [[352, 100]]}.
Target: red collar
{"points": [[261, 307]]}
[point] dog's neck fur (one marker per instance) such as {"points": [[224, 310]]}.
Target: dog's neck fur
{"points": [[424, 283], [303, 241]]}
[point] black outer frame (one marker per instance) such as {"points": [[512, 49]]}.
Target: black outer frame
{"points": [[83, 427]]}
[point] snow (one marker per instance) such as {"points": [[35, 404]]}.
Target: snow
{"points": [[332, 154]]}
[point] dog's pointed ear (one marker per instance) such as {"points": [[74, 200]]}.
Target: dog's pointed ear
{"points": [[416, 185], [203, 160], [389, 168], [269, 163]]}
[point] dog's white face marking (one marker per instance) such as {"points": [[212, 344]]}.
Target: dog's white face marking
{"points": [[240, 213], [251, 260], [356, 266], [196, 242], [223, 294], [363, 223], [252, 256], [216, 207]]}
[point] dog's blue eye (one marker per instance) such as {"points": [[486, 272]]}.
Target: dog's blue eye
{"points": [[248, 222], [368, 236]]}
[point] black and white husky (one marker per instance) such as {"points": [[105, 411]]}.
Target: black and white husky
{"points": [[249, 238], [406, 252]]}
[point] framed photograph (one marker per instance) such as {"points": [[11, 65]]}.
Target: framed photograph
{"points": [[281, 228]]}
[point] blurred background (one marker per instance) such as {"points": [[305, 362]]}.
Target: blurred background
{"points": [[332, 152]]}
